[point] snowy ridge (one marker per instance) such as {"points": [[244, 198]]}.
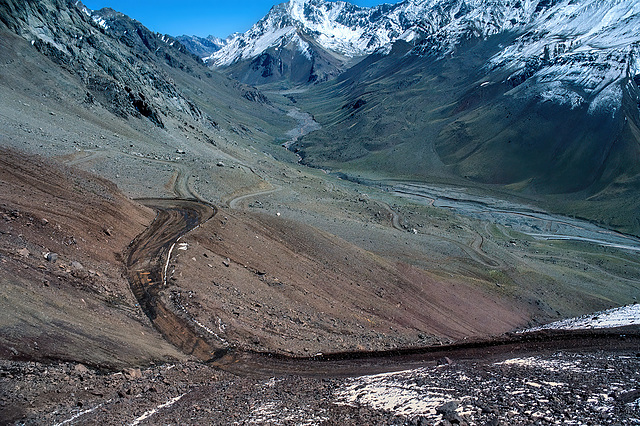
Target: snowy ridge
{"points": [[572, 49], [589, 44], [337, 26], [356, 31]]}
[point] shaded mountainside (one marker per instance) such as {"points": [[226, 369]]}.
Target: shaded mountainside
{"points": [[549, 111], [297, 59], [202, 46], [117, 59], [127, 69]]}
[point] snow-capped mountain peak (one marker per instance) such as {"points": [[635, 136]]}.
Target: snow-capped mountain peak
{"points": [[353, 31], [337, 26], [559, 37]]}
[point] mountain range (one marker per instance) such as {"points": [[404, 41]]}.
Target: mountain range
{"points": [[532, 98], [536, 97], [339, 191]]}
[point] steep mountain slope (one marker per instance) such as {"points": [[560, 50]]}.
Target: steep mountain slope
{"points": [[123, 66], [547, 108], [310, 41], [74, 304]]}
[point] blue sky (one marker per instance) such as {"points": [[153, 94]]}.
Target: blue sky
{"points": [[198, 17]]}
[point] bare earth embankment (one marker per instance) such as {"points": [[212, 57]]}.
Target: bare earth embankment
{"points": [[64, 295], [269, 284]]}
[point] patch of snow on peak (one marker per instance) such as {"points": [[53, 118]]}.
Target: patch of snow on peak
{"points": [[100, 21], [304, 48], [608, 100], [337, 26], [560, 95]]}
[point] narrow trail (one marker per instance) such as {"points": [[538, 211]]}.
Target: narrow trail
{"points": [[234, 203], [179, 184], [85, 156], [585, 265], [350, 364], [395, 216]]}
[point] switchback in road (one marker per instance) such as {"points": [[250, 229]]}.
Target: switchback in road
{"points": [[148, 258]]}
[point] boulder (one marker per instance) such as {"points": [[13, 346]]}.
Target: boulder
{"points": [[51, 257], [448, 411], [81, 369], [132, 373]]}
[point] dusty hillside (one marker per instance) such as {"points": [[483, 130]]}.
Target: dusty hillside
{"points": [[266, 283], [75, 305]]}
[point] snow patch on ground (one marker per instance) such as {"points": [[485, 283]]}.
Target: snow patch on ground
{"points": [[568, 386], [617, 317], [80, 414], [151, 412], [399, 393], [545, 364]]}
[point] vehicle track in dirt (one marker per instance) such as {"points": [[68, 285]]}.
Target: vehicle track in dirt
{"points": [[236, 202], [145, 270], [473, 249], [145, 262]]}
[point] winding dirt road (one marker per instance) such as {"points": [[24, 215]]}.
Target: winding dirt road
{"points": [[472, 249], [146, 262], [235, 202], [146, 271]]}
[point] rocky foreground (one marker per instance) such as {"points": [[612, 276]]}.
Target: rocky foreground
{"points": [[568, 387]]}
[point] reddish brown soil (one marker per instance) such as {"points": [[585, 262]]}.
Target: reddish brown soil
{"points": [[264, 283], [80, 306]]}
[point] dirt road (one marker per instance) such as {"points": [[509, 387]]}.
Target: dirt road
{"points": [[146, 263], [146, 271]]}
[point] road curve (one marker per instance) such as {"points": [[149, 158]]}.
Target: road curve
{"points": [[145, 263], [235, 202], [473, 249]]}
